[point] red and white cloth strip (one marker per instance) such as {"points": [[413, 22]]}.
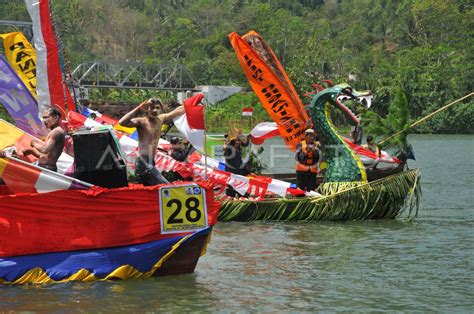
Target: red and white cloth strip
{"points": [[49, 78], [257, 186], [265, 130], [371, 159], [275, 186], [23, 177]]}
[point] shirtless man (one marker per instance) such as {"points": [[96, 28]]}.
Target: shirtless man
{"points": [[149, 132], [48, 152]]}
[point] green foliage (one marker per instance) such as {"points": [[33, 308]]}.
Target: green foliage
{"points": [[398, 119], [230, 110], [128, 95], [4, 114], [458, 119], [426, 47], [257, 166]]}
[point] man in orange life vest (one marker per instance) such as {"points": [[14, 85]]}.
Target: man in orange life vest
{"points": [[307, 157]]}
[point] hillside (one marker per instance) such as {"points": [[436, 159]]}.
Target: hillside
{"points": [[426, 47]]}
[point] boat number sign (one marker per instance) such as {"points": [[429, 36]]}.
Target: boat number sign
{"points": [[182, 208]]}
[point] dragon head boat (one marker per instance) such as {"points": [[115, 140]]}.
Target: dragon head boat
{"points": [[346, 192]]}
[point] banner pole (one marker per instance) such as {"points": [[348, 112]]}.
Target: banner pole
{"points": [[205, 155], [426, 118], [205, 141]]}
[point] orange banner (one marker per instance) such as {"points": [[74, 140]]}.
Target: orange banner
{"points": [[272, 86], [22, 57]]}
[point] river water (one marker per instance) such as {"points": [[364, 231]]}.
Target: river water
{"points": [[423, 265]]}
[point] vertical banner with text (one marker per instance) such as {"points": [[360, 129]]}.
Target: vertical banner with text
{"points": [[271, 85], [22, 58], [18, 101]]}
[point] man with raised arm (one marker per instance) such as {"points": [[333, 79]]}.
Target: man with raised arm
{"points": [[48, 152], [149, 132]]}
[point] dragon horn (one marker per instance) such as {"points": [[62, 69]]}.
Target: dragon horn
{"points": [[318, 87], [329, 83]]}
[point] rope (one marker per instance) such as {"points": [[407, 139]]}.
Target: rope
{"points": [[425, 118]]}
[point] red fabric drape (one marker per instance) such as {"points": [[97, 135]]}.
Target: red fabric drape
{"points": [[76, 220]]}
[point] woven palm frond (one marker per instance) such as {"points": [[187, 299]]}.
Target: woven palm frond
{"points": [[329, 188], [389, 197]]}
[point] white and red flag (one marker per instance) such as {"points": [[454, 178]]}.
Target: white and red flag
{"points": [[262, 131], [247, 111], [191, 124], [50, 86]]}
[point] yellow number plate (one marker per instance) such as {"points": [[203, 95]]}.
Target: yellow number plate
{"points": [[182, 208]]}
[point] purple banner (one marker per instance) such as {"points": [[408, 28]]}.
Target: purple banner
{"points": [[18, 101]]}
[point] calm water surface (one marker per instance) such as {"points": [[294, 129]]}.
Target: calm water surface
{"points": [[425, 265]]}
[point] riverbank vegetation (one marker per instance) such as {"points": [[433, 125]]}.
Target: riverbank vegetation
{"points": [[423, 47]]}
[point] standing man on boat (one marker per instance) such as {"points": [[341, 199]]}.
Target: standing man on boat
{"points": [[149, 132], [307, 157], [233, 160], [48, 152]]}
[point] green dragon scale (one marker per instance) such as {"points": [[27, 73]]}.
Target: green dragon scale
{"points": [[344, 166]]}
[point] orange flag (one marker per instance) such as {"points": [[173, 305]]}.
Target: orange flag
{"points": [[272, 86]]}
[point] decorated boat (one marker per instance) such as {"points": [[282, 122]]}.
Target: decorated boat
{"points": [[395, 196], [57, 229], [345, 192]]}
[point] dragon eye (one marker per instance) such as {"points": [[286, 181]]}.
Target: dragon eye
{"points": [[347, 90]]}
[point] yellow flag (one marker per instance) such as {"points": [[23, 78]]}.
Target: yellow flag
{"points": [[9, 135], [22, 57], [118, 127]]}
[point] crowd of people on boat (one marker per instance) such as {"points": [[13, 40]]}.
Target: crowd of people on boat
{"points": [[153, 119]]}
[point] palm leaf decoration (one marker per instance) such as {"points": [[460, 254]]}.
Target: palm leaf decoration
{"points": [[397, 119], [396, 196]]}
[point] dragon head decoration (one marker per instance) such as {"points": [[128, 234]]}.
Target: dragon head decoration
{"points": [[344, 166]]}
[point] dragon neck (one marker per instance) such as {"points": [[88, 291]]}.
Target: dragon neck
{"points": [[343, 164]]}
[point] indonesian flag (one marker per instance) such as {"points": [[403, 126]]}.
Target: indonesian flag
{"points": [[191, 124], [50, 86], [262, 131], [370, 159], [247, 112]]}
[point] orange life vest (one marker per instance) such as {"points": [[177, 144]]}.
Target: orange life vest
{"points": [[311, 164]]}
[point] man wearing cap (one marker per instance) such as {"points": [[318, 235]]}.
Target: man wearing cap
{"points": [[307, 157]]}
